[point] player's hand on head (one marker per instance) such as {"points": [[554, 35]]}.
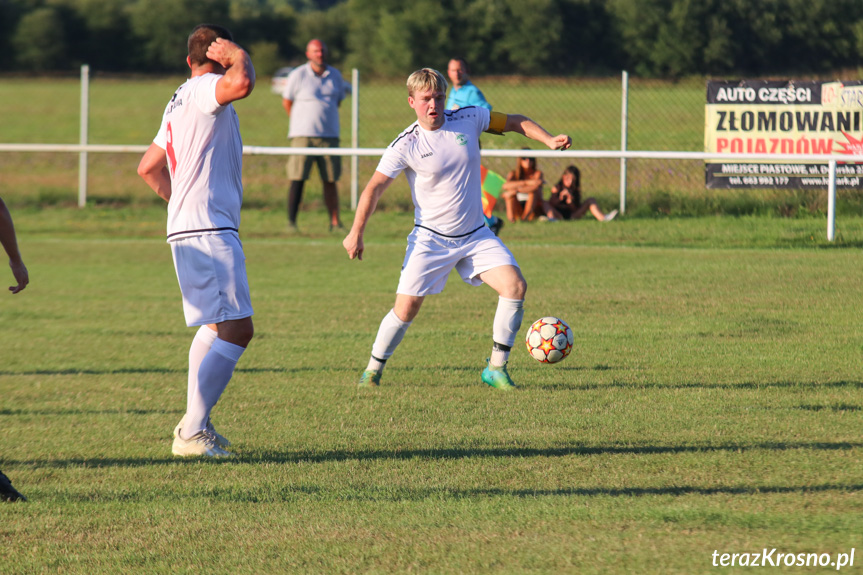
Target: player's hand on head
{"points": [[222, 51]]}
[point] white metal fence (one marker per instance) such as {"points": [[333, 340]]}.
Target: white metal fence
{"points": [[355, 152]]}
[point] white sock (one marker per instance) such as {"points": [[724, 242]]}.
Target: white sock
{"points": [[214, 374], [390, 335], [507, 320], [498, 356], [204, 339], [375, 364]]}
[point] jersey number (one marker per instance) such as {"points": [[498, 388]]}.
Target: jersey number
{"points": [[170, 150]]}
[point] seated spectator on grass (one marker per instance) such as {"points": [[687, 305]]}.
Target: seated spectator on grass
{"points": [[565, 200], [522, 191]]}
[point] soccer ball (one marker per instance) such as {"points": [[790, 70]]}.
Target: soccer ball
{"points": [[549, 340]]}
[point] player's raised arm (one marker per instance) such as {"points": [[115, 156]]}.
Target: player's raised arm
{"points": [[368, 201], [239, 79], [523, 125]]}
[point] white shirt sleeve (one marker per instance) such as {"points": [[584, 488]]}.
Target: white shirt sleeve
{"points": [[204, 94], [289, 92], [392, 163], [484, 119]]}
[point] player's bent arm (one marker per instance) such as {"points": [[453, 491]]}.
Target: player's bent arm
{"points": [[239, 79], [7, 234], [153, 168], [368, 201], [287, 105], [527, 127], [366, 205], [10, 245]]}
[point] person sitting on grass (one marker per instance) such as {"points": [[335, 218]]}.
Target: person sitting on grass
{"points": [[522, 191], [565, 200]]}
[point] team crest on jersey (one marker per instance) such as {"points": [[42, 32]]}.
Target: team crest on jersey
{"points": [[461, 139]]}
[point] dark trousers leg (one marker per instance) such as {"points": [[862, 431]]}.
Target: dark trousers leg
{"points": [[295, 197], [331, 200]]}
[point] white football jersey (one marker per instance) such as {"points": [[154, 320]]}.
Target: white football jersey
{"points": [[443, 170], [205, 159]]}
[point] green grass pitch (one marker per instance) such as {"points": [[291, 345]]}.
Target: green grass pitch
{"points": [[712, 403]]}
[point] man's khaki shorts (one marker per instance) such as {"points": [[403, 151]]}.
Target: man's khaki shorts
{"points": [[330, 167]]}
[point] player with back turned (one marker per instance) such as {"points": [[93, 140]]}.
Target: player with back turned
{"points": [[440, 157], [195, 163]]}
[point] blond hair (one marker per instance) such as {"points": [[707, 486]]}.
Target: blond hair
{"points": [[426, 79]]}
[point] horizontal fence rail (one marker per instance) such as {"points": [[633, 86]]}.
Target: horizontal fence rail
{"points": [[831, 160], [593, 154]]}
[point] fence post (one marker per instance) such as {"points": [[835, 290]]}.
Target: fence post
{"points": [[831, 202], [624, 124], [355, 135], [83, 137]]}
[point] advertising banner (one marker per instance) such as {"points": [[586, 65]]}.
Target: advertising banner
{"points": [[782, 117]]}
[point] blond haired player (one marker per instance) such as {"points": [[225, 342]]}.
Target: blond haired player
{"points": [[439, 154], [195, 163]]}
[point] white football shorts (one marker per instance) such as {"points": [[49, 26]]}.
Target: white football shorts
{"points": [[431, 257], [211, 270]]}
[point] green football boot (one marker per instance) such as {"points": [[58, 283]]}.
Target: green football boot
{"points": [[370, 378], [498, 377]]}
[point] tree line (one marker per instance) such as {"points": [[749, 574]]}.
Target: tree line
{"points": [[650, 38]]}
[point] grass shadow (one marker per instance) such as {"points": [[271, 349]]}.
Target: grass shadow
{"points": [[76, 412], [160, 370], [740, 385], [290, 457], [376, 493]]}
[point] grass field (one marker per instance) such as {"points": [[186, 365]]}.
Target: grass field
{"points": [[712, 403], [127, 110], [124, 110]]}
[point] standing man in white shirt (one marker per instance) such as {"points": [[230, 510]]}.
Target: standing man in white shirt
{"points": [[195, 163], [311, 98], [440, 156]]}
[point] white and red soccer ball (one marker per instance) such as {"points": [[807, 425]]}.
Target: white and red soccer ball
{"points": [[549, 340]]}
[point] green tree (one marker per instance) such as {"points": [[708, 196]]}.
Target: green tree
{"points": [[482, 23], [654, 38], [162, 26], [39, 41], [589, 40], [331, 26], [10, 14], [679, 37], [529, 46], [373, 32], [104, 33], [266, 21], [265, 56], [819, 34]]}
